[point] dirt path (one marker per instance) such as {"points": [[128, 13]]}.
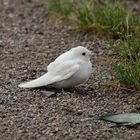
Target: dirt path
{"points": [[28, 44]]}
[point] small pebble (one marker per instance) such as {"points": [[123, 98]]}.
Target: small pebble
{"points": [[48, 94]]}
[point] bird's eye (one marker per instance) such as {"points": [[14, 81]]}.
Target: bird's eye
{"points": [[83, 53]]}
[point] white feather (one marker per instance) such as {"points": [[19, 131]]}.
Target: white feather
{"points": [[59, 73], [63, 68]]}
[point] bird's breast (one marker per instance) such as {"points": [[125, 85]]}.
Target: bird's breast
{"points": [[84, 70], [81, 76]]}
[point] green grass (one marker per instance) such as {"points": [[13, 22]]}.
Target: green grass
{"points": [[127, 66], [116, 20], [128, 74], [83, 15], [62, 8], [113, 19]]}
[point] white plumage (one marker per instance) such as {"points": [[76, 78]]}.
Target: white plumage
{"points": [[70, 69]]}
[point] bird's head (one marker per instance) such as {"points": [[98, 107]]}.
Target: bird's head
{"points": [[81, 53]]}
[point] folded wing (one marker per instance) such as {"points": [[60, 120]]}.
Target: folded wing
{"points": [[56, 72]]}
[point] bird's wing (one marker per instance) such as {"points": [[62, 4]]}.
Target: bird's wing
{"points": [[56, 73], [51, 66], [60, 61], [64, 70], [54, 65]]}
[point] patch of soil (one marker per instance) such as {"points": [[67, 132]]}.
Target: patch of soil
{"points": [[28, 43]]}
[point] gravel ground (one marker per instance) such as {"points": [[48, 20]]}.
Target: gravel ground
{"points": [[28, 43]]}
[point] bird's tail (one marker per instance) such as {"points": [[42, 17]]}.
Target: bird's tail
{"points": [[41, 81]]}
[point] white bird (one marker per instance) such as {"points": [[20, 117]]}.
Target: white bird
{"points": [[70, 69]]}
